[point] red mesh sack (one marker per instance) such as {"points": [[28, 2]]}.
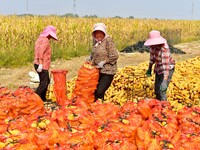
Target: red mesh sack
{"points": [[86, 83], [59, 77]]}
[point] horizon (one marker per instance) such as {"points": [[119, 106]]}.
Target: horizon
{"points": [[70, 15], [173, 10]]}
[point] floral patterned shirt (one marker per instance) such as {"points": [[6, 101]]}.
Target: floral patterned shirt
{"points": [[105, 51]]}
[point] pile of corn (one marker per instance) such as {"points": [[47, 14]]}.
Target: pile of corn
{"points": [[185, 86], [131, 84]]}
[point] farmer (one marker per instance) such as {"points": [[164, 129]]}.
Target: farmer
{"points": [[104, 55], [164, 64], [42, 59]]}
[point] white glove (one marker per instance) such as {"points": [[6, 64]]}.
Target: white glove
{"points": [[101, 64], [39, 69]]}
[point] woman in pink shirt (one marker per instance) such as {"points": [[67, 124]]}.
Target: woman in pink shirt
{"points": [[42, 59]]}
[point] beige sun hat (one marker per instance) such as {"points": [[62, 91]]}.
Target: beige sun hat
{"points": [[99, 27]]}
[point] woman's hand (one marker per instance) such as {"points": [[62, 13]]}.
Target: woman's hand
{"points": [[101, 64]]}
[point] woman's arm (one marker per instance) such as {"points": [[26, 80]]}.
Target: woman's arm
{"points": [[113, 53]]}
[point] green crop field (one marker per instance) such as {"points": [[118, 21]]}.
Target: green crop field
{"points": [[19, 33]]}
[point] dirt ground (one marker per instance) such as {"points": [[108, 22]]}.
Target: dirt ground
{"points": [[13, 78]]}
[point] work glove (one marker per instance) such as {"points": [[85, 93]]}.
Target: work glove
{"points": [[163, 86], [148, 73], [39, 69], [101, 64]]}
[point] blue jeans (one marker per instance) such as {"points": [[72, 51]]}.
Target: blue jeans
{"points": [[161, 95]]}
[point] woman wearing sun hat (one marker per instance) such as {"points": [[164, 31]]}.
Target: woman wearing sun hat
{"points": [[164, 64], [104, 55], [42, 59]]}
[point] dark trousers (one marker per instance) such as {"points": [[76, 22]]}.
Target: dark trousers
{"points": [[105, 81], [44, 82], [161, 95]]}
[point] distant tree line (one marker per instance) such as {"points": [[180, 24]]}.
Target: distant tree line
{"points": [[71, 15]]}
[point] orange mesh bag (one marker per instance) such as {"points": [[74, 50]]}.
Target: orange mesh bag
{"points": [[59, 77], [86, 83], [5, 92], [24, 101], [144, 109]]}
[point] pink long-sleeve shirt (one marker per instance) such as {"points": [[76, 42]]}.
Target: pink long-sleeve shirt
{"points": [[43, 51]]}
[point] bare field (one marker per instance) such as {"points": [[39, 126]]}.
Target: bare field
{"points": [[13, 78]]}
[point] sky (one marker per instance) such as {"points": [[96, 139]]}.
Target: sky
{"points": [[161, 9]]}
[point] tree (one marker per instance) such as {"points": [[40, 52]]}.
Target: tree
{"points": [[90, 16], [117, 17], [70, 15], [131, 17]]}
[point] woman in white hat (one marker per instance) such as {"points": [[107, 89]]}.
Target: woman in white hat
{"points": [[164, 64], [104, 55], [42, 59]]}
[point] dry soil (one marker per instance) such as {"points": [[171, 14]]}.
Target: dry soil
{"points": [[13, 78]]}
